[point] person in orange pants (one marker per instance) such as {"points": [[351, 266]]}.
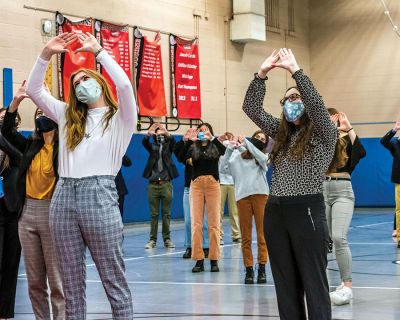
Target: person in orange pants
{"points": [[251, 192]]}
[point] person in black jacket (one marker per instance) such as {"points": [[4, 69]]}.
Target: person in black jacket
{"points": [[393, 145], [10, 247], [159, 170], [120, 184], [35, 184]]}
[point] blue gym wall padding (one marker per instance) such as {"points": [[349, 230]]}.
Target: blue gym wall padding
{"points": [[371, 180]]}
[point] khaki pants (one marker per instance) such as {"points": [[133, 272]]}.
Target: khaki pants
{"points": [[205, 191], [40, 261], [248, 207], [228, 193]]}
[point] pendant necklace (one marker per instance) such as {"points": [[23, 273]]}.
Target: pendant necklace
{"points": [[88, 135]]}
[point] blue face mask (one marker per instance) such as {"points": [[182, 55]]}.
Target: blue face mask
{"points": [[293, 110], [88, 91], [201, 136]]}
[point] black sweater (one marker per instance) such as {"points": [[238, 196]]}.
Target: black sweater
{"points": [[180, 150], [296, 177], [355, 151], [29, 147], [393, 145], [204, 166]]}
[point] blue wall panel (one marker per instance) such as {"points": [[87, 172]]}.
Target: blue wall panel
{"points": [[371, 180]]}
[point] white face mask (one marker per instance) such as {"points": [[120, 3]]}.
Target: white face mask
{"points": [[88, 91], [225, 143]]}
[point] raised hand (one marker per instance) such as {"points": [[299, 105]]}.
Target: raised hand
{"points": [[188, 134], [344, 123], [397, 126], [152, 129], [208, 135], [58, 44], [287, 60], [89, 43], [335, 118], [268, 64], [18, 97], [193, 135]]}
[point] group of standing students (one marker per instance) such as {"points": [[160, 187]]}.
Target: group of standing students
{"points": [[59, 183]]}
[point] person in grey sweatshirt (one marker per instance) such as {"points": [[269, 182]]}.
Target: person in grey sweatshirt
{"points": [[247, 162]]}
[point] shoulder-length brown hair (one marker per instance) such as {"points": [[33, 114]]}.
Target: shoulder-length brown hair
{"points": [[77, 111], [286, 129], [340, 157]]}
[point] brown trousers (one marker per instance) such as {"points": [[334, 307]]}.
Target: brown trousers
{"points": [[205, 191], [248, 207], [40, 261]]}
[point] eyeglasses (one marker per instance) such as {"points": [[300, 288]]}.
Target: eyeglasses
{"points": [[292, 97]]}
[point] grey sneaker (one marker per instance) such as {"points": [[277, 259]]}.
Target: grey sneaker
{"points": [[150, 245], [221, 242], [169, 244]]}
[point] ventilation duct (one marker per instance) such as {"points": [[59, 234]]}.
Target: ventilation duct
{"points": [[248, 23]]}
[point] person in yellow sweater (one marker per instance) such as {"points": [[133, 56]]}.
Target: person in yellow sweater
{"points": [[36, 181]]}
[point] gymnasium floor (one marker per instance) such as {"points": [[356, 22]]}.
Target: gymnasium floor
{"points": [[164, 287]]}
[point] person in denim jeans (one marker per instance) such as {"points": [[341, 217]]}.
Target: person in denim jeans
{"points": [[180, 152]]}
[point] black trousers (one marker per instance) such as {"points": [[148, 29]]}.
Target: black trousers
{"points": [[297, 239], [10, 253]]}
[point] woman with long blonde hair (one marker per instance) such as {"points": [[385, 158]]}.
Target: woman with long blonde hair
{"points": [[94, 133]]}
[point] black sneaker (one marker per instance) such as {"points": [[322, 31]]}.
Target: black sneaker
{"points": [[187, 254], [206, 251], [214, 266], [249, 278], [330, 246], [261, 276], [198, 267]]}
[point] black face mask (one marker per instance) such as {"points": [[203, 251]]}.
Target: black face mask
{"points": [[160, 138], [258, 144], [44, 124]]}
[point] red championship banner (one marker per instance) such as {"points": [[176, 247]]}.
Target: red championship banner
{"points": [[70, 61], [149, 75], [115, 40], [185, 78]]}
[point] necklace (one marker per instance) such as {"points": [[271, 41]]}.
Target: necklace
{"points": [[88, 135]]}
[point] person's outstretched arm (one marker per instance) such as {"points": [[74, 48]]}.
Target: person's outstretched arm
{"points": [[126, 100], [260, 156], [313, 103], [8, 129], [386, 139], [254, 99], [53, 108]]}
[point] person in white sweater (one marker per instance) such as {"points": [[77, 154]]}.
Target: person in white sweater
{"points": [[247, 162], [94, 133]]}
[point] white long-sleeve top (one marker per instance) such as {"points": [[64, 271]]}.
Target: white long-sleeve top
{"points": [[101, 153], [249, 177]]}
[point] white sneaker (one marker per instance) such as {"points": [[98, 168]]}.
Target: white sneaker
{"points": [[150, 245], [342, 295]]}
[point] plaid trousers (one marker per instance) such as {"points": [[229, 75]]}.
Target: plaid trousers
{"points": [[84, 212], [40, 261]]}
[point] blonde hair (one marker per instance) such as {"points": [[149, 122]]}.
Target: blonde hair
{"points": [[77, 111], [340, 157]]}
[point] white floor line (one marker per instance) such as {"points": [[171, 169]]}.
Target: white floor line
{"points": [[234, 284], [373, 243], [151, 256], [370, 225]]}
